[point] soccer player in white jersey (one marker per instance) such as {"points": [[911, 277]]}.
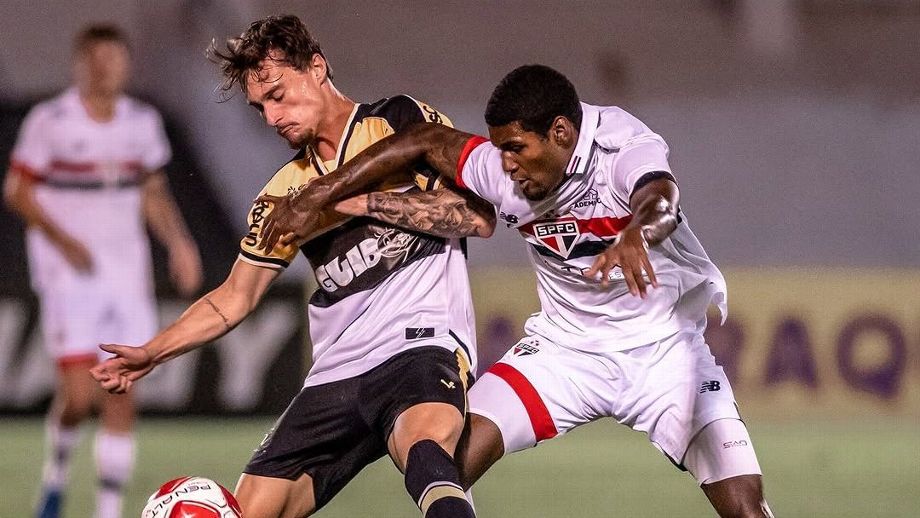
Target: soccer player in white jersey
{"points": [[391, 322], [86, 177], [624, 284]]}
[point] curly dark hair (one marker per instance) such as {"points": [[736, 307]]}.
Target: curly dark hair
{"points": [[97, 32], [533, 95], [285, 33]]}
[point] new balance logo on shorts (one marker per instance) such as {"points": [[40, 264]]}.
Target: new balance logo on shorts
{"points": [[710, 386]]}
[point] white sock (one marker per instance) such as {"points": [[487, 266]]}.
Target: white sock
{"points": [[114, 465], [59, 444]]}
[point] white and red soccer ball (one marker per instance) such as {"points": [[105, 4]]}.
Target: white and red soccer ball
{"points": [[192, 497]]}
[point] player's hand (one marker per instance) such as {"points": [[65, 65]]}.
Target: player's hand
{"points": [[293, 217], [118, 374], [630, 253], [355, 206], [76, 254], [185, 267]]}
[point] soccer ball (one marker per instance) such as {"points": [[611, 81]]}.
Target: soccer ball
{"points": [[192, 497]]}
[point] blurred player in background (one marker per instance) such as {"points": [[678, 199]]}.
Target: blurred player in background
{"points": [[392, 322], [85, 177], [623, 282]]}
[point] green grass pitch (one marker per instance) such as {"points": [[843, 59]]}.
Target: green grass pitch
{"points": [[828, 469]]}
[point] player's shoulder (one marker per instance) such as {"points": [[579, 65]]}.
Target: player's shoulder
{"points": [[293, 175], [402, 110], [51, 108], [617, 127], [137, 109]]}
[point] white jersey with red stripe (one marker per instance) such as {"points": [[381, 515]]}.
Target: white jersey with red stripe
{"points": [[88, 177], [582, 217]]}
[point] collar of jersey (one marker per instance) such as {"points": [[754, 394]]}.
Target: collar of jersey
{"points": [[340, 151], [590, 119]]}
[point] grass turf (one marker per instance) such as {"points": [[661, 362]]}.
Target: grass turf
{"points": [[829, 469]]}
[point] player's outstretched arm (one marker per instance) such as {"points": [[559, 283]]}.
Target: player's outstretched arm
{"points": [[442, 212], [209, 318], [295, 216], [19, 195], [168, 226], [654, 207]]}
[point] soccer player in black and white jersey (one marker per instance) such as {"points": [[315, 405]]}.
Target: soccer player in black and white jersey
{"points": [[623, 282], [391, 322]]}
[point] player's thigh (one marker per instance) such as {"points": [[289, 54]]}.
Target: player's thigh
{"points": [[76, 392], [539, 390], [480, 447], [70, 318], [418, 394], [268, 497], [672, 390], [321, 434]]}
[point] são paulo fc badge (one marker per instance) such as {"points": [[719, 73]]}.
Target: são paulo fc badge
{"points": [[524, 349], [559, 235]]}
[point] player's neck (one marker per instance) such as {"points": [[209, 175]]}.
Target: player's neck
{"points": [[99, 106], [330, 132]]}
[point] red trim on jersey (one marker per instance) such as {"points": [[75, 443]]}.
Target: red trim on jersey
{"points": [[24, 170], [600, 227], [89, 167], [74, 360], [542, 422], [468, 148]]}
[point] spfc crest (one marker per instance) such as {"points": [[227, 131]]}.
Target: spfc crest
{"points": [[524, 349], [559, 235]]}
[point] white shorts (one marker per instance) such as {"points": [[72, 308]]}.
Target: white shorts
{"points": [[83, 311], [670, 389]]}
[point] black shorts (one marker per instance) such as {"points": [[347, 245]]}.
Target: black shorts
{"points": [[332, 431]]}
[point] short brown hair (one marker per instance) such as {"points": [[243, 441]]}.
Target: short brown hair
{"points": [[98, 32], [286, 34]]}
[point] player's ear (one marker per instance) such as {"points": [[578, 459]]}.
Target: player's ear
{"points": [[563, 132], [318, 67]]}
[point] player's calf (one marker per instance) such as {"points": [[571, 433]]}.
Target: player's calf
{"points": [[434, 483]]}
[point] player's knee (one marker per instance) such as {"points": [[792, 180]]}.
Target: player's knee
{"points": [[75, 409], [436, 422]]}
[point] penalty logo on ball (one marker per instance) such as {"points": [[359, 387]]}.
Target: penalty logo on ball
{"points": [[192, 497]]}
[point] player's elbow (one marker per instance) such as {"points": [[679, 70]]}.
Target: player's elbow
{"points": [[486, 225]]}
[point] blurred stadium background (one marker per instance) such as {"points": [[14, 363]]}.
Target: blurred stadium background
{"points": [[793, 125]]}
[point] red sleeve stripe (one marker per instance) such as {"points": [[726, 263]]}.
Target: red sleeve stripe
{"points": [[24, 170], [543, 425], [468, 148]]}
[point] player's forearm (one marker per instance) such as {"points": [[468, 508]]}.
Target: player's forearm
{"points": [[655, 209], [436, 145], [162, 213], [19, 198], [208, 319], [442, 212], [215, 314]]}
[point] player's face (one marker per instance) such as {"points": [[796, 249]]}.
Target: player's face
{"points": [[536, 162], [290, 100], [102, 68]]}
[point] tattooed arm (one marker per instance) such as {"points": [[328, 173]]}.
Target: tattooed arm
{"points": [[294, 217], [441, 212]]}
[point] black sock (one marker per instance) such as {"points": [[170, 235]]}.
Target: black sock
{"points": [[434, 483]]}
